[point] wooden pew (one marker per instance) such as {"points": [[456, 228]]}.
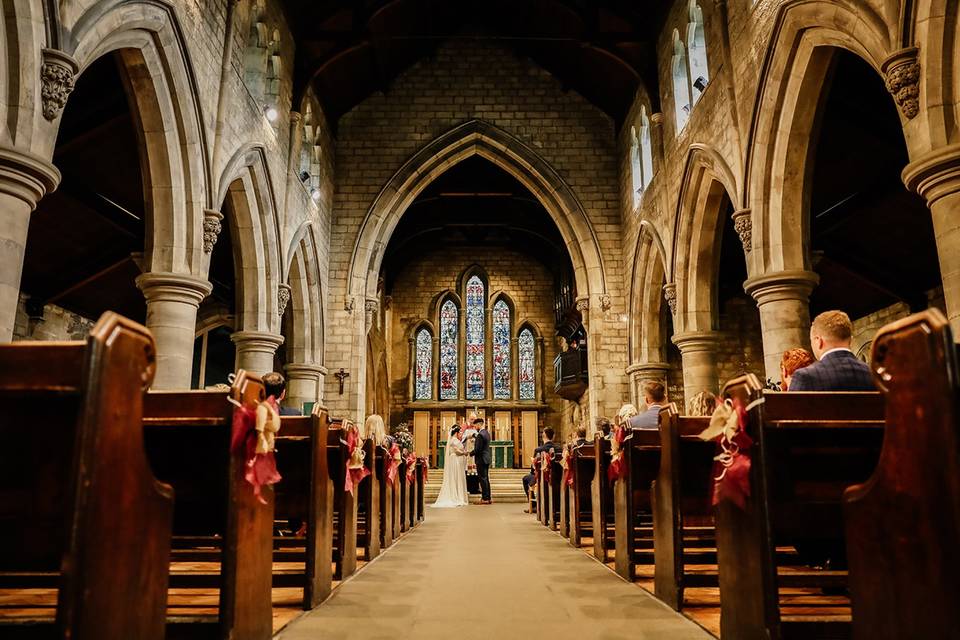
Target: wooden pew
{"points": [[808, 447], [385, 491], [564, 523], [78, 499], [413, 497], [368, 505], [583, 461], [632, 501], [404, 497], [553, 491], [344, 504], [601, 500], [217, 519], [683, 513], [422, 470], [903, 524], [544, 499], [306, 492]]}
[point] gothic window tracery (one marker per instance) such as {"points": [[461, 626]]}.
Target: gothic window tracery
{"points": [[697, 52], [527, 365], [681, 84], [501, 351], [475, 329], [449, 318], [423, 377]]}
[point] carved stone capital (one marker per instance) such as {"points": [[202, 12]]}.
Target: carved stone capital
{"points": [[348, 304], [743, 225], [901, 72], [304, 371], [670, 295], [283, 297], [173, 287], [370, 307], [57, 75], [784, 285], [605, 302], [696, 341], [256, 341], [583, 304], [936, 174], [656, 119], [211, 228]]}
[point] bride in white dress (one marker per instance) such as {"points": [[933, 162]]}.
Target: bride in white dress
{"points": [[453, 491]]}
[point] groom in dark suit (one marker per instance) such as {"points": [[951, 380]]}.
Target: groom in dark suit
{"points": [[483, 459]]}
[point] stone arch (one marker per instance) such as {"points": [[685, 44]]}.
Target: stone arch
{"points": [[647, 344], [164, 98], [707, 183], [802, 43], [476, 137], [245, 184], [935, 24], [305, 339]]}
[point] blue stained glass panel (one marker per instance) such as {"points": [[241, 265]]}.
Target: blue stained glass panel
{"points": [[423, 382], [448, 350], [527, 357], [501, 351], [474, 339]]}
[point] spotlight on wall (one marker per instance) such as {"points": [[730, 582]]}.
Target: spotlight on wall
{"points": [[315, 194], [700, 83], [271, 113], [304, 176]]}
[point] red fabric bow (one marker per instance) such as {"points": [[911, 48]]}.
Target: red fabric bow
{"points": [[546, 459], [617, 469], [259, 468], [393, 464], [568, 467], [731, 478], [411, 468], [356, 469]]}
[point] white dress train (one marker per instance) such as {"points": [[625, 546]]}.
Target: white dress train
{"points": [[453, 491]]}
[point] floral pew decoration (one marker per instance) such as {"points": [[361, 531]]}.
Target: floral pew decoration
{"points": [[731, 478], [356, 469], [253, 436]]}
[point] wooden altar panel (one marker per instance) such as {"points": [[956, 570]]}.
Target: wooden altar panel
{"points": [[501, 421], [528, 426], [421, 432]]}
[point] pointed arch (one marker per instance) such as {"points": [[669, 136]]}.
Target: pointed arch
{"points": [[647, 342], [305, 342], [476, 137], [682, 102], [246, 191], [708, 183]]}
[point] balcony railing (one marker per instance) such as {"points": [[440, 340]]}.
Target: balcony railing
{"points": [[570, 373]]}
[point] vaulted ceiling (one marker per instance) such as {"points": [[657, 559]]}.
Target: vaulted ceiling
{"points": [[603, 49]]}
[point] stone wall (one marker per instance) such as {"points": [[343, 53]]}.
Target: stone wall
{"points": [[464, 80]]}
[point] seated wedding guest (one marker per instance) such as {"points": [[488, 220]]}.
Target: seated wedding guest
{"points": [[703, 404], [547, 438], [581, 438], [627, 413], [654, 395], [604, 427], [374, 429], [792, 360], [838, 368], [275, 385]]}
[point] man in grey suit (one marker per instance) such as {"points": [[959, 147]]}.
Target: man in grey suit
{"points": [[838, 368], [483, 459], [654, 395]]}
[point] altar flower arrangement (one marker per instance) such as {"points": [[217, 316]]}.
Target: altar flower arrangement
{"points": [[403, 437]]}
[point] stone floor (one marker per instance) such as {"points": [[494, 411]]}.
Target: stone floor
{"points": [[489, 572]]}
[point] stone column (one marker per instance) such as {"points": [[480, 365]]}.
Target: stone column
{"points": [[24, 180], [172, 302], [936, 177], [783, 300], [255, 350], [640, 373], [304, 384], [699, 352]]}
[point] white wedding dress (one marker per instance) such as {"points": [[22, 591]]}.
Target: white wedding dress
{"points": [[453, 491]]}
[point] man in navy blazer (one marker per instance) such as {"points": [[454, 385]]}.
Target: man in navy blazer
{"points": [[838, 368], [654, 395]]}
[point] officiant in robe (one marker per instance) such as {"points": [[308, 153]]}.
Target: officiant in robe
{"points": [[469, 437]]}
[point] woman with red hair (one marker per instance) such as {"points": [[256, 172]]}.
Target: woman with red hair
{"points": [[792, 360]]}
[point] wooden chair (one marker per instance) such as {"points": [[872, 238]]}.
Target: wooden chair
{"points": [[78, 500], [903, 524]]}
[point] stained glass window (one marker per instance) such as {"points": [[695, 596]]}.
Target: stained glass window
{"points": [[448, 350], [501, 351], [423, 382], [528, 382], [474, 339]]}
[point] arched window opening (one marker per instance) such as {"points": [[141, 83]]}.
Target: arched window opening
{"points": [[309, 172], [697, 52], [646, 149], [475, 329], [273, 71], [527, 365], [501, 351], [423, 380], [636, 175], [449, 317], [681, 83], [256, 53]]}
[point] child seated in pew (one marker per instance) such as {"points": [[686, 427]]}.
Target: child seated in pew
{"points": [[604, 426], [838, 368], [790, 363], [274, 384], [581, 438], [703, 404]]}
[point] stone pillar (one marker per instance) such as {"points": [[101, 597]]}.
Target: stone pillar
{"points": [[699, 352], [783, 300], [24, 180], [172, 302], [640, 373], [255, 350], [304, 384], [936, 177]]}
